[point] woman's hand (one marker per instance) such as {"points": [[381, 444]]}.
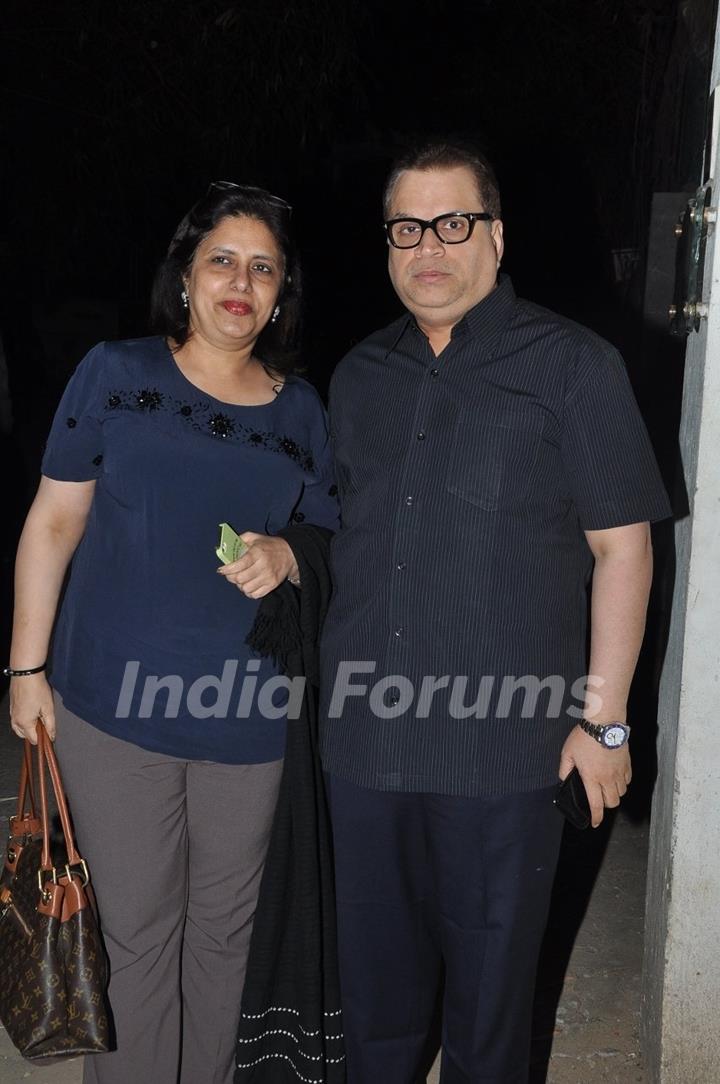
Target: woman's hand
{"points": [[267, 563], [31, 699]]}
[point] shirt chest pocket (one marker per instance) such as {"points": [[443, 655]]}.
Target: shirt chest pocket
{"points": [[492, 457]]}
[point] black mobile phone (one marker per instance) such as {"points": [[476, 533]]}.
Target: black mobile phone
{"points": [[572, 800]]}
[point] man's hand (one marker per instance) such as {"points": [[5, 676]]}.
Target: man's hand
{"points": [[606, 773], [620, 588], [267, 563], [31, 699]]}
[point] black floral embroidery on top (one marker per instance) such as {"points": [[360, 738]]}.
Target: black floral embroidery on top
{"points": [[149, 399], [290, 448], [221, 425], [71, 423], [204, 418]]}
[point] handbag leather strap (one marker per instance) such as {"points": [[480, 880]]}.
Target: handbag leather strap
{"points": [[46, 758], [26, 789], [25, 823]]}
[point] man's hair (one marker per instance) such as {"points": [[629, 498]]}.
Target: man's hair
{"points": [[448, 155]]}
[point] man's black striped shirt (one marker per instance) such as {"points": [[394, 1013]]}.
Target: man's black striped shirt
{"points": [[466, 483]]}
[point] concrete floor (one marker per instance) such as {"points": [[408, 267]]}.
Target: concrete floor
{"points": [[588, 1004], [595, 1024]]}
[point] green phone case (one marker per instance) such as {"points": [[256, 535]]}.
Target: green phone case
{"points": [[231, 546]]}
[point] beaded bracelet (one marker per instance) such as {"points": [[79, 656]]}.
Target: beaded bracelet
{"points": [[9, 672]]}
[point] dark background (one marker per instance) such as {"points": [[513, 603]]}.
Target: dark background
{"points": [[115, 117]]}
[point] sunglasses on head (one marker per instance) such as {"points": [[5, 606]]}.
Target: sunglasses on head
{"points": [[250, 190]]}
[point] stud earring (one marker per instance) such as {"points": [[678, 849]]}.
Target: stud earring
{"points": [[185, 301], [273, 318]]}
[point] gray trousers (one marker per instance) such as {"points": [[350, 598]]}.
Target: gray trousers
{"points": [[176, 850]]}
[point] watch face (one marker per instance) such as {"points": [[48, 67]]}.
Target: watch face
{"points": [[614, 736]]}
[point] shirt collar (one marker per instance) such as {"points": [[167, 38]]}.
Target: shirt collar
{"points": [[484, 321], [489, 317]]}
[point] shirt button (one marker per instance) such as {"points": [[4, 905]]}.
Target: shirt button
{"points": [[399, 632], [401, 566], [393, 699], [421, 435], [434, 372], [408, 501]]}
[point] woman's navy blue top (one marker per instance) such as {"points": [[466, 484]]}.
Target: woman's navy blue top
{"points": [[150, 641]]}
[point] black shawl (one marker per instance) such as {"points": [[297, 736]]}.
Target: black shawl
{"points": [[290, 1023]]}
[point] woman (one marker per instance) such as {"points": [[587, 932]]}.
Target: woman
{"points": [[169, 731]]}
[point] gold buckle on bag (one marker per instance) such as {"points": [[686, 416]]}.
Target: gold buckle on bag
{"points": [[42, 873], [82, 867]]}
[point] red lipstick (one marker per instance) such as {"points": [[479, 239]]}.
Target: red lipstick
{"points": [[237, 308]]}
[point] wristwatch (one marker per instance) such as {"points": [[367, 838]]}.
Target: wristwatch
{"points": [[611, 735]]}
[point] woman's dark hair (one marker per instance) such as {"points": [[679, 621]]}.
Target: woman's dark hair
{"points": [[278, 342]]}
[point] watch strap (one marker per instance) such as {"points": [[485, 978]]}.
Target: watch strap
{"points": [[597, 730]]}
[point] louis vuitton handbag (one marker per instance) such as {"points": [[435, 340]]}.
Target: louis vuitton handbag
{"points": [[53, 969]]}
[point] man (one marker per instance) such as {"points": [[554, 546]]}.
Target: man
{"points": [[490, 458]]}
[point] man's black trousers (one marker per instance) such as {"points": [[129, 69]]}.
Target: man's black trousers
{"points": [[427, 883]]}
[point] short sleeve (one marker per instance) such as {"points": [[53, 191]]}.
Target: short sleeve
{"points": [[319, 502], [607, 454], [74, 450]]}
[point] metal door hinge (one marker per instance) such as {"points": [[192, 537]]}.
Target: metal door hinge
{"points": [[695, 225]]}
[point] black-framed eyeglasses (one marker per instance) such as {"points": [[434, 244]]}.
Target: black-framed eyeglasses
{"points": [[251, 190], [452, 228]]}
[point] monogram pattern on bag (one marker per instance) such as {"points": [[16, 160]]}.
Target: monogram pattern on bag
{"points": [[52, 984]]}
